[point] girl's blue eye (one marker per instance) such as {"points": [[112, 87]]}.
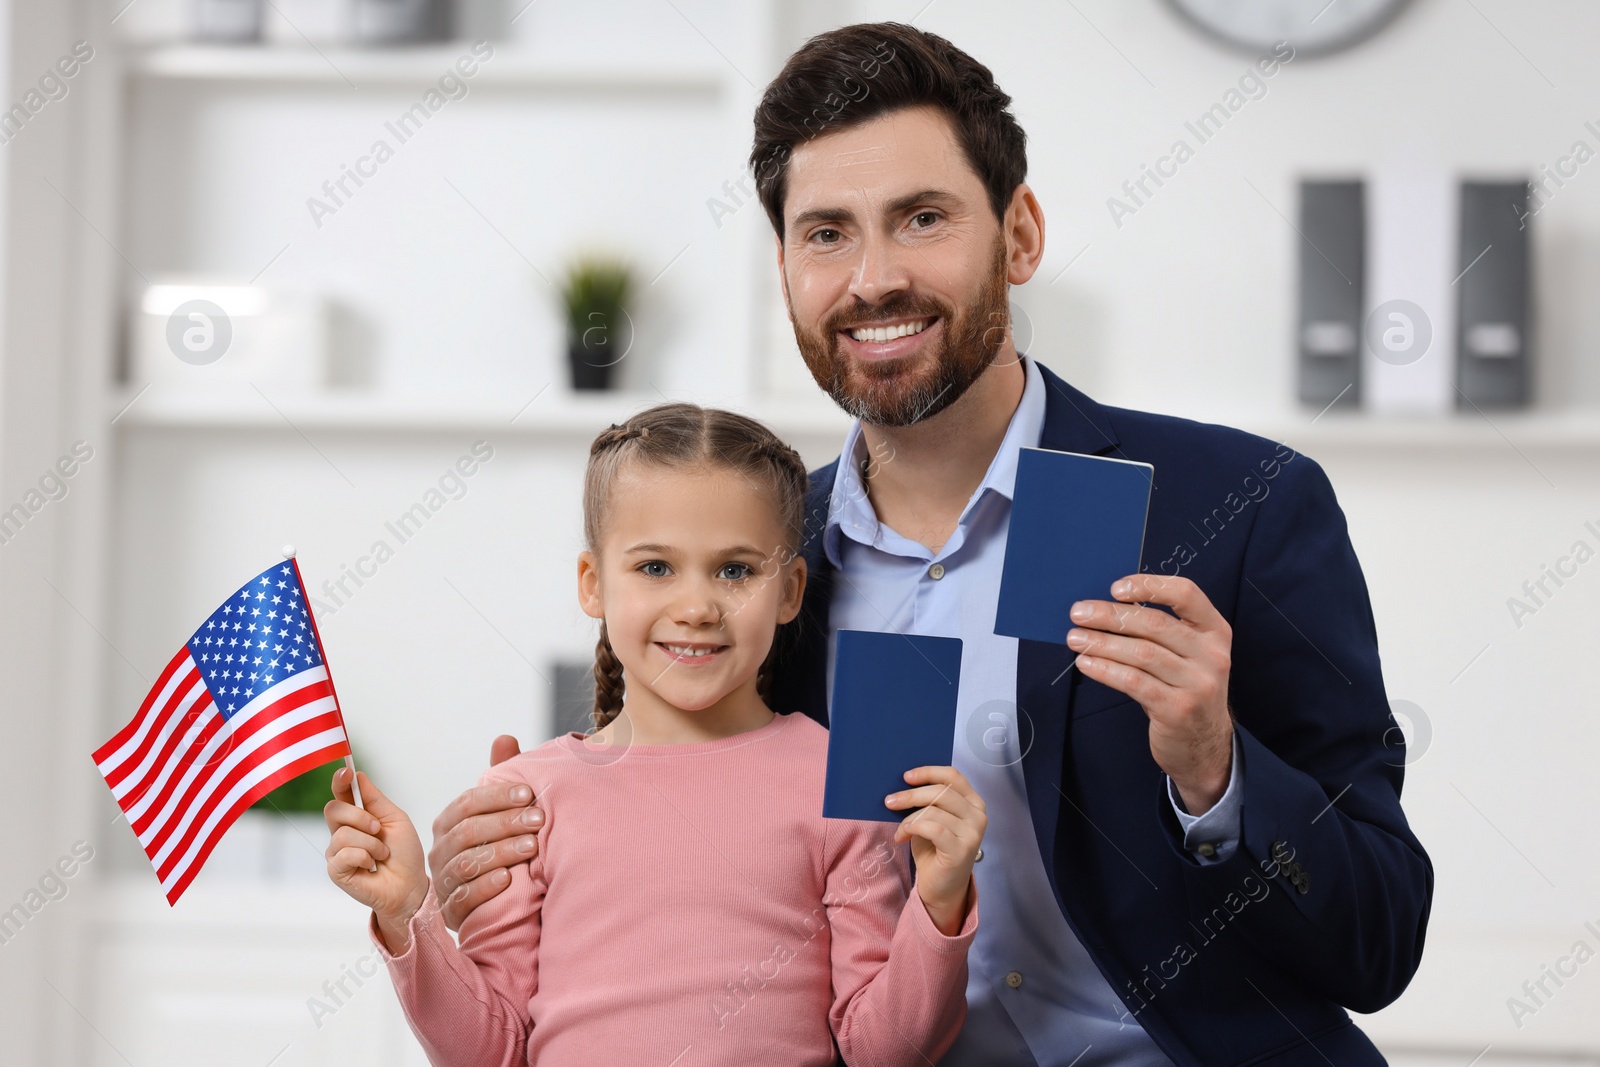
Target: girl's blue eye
{"points": [[741, 571], [655, 569]]}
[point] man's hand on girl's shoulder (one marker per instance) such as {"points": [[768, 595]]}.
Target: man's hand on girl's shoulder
{"points": [[480, 834]]}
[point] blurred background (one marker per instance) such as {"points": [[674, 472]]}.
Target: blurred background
{"points": [[268, 271]]}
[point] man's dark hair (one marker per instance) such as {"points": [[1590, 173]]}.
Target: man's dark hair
{"points": [[854, 74]]}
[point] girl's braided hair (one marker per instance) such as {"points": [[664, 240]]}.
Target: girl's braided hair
{"points": [[686, 435]]}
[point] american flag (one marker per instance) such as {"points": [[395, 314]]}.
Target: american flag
{"points": [[245, 705]]}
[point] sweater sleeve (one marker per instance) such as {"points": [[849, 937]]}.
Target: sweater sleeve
{"points": [[899, 983], [468, 1006]]}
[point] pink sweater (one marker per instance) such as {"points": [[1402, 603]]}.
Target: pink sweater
{"points": [[690, 906]]}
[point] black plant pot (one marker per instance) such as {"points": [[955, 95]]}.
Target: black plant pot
{"points": [[591, 365]]}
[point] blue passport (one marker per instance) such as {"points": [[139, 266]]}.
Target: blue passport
{"points": [[894, 708], [1077, 525]]}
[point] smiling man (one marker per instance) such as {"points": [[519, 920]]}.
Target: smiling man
{"points": [[1196, 852]]}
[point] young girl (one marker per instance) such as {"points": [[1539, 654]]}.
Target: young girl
{"points": [[688, 903]]}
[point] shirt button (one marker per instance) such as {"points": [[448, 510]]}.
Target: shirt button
{"points": [[1206, 848], [936, 571], [979, 857], [1014, 979]]}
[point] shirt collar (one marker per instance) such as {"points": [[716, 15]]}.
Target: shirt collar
{"points": [[849, 506]]}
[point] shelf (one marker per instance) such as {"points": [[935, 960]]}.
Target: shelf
{"points": [[554, 413], [418, 66], [562, 413], [1466, 434]]}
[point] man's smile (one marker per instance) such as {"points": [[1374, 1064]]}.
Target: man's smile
{"points": [[889, 340]]}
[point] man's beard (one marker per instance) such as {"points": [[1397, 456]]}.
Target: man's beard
{"points": [[908, 389]]}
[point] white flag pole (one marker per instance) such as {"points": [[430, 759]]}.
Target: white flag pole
{"points": [[349, 760]]}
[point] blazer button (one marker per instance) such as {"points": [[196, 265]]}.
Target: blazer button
{"points": [[1302, 882], [1280, 850], [1014, 979]]}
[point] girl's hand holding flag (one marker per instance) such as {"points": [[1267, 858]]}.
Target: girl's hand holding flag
{"points": [[376, 857]]}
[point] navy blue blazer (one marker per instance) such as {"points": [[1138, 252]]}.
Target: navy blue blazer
{"points": [[1325, 903]]}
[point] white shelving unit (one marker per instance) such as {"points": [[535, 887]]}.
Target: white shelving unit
{"points": [[218, 139]]}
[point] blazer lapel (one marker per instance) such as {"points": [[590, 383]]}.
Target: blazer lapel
{"points": [[1045, 687], [800, 681]]}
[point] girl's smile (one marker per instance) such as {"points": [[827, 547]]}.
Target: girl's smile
{"points": [[690, 652]]}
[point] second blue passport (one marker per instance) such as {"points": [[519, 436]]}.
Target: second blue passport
{"points": [[894, 708], [1077, 525]]}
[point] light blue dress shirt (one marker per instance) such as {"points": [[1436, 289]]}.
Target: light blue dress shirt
{"points": [[1034, 995]]}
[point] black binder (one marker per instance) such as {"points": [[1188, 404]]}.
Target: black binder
{"points": [[1332, 279], [1493, 366]]}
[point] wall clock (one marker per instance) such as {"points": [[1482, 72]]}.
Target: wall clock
{"points": [[1313, 27]]}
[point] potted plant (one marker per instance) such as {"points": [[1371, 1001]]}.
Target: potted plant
{"points": [[599, 329]]}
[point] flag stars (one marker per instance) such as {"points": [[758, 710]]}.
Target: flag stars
{"points": [[261, 635]]}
